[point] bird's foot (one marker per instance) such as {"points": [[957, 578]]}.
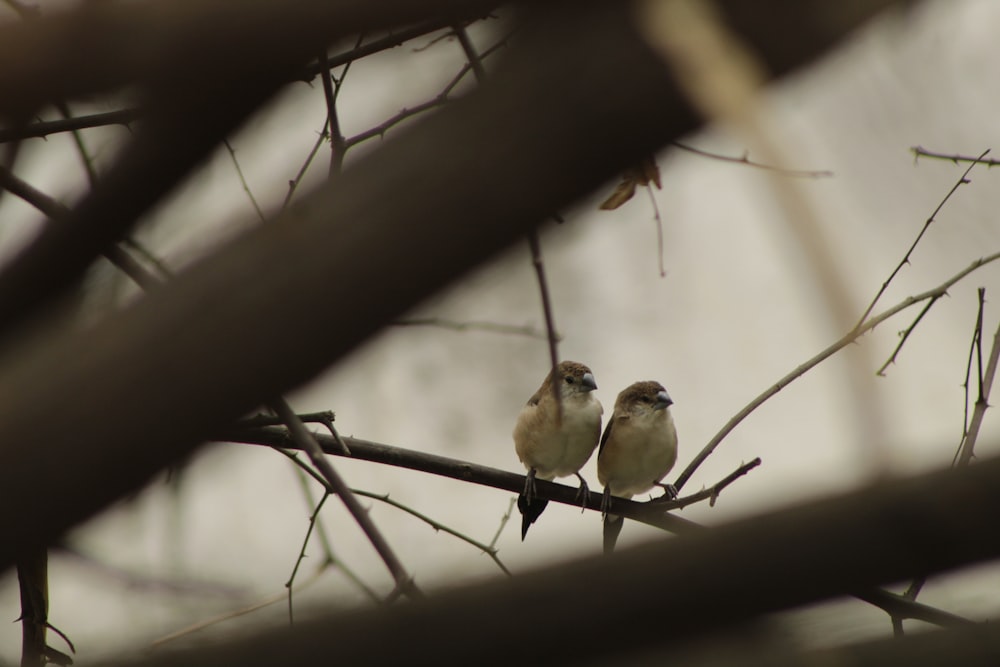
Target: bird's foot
{"points": [[605, 502], [529, 486], [582, 493], [669, 492]]}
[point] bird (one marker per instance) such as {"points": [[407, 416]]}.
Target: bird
{"points": [[638, 449], [550, 445]]}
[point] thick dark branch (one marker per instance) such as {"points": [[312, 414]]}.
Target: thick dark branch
{"points": [[45, 128], [199, 87], [104, 46], [126, 116], [194, 345], [187, 359], [712, 579], [903, 607]]}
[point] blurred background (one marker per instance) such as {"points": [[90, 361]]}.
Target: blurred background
{"points": [[740, 306]]}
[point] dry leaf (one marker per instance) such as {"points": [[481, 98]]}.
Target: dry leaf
{"points": [[644, 173]]}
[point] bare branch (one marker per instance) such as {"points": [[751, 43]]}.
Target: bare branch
{"points": [[503, 522], [982, 403], [489, 550], [313, 520], [904, 335], [711, 493], [249, 609], [745, 159], [903, 607], [550, 323], [919, 152], [806, 366], [307, 441], [906, 258], [243, 181]]}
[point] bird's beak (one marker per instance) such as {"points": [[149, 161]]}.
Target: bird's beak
{"points": [[663, 401], [588, 382]]}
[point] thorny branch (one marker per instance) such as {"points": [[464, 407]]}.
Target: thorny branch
{"points": [[651, 513], [975, 349], [906, 258], [307, 441], [745, 160], [919, 152], [808, 365], [490, 550], [982, 402]]}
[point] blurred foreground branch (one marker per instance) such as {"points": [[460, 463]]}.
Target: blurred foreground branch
{"points": [[712, 578]]}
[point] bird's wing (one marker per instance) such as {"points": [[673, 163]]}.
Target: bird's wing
{"points": [[607, 434]]}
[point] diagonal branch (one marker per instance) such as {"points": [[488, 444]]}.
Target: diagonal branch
{"points": [[808, 365], [982, 403], [307, 442], [964, 179]]}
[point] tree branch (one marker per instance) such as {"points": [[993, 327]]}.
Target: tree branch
{"points": [[806, 366]]}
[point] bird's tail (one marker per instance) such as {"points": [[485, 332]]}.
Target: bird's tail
{"points": [[529, 511], [612, 527]]}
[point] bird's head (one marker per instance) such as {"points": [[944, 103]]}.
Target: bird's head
{"points": [[643, 398], [574, 379]]}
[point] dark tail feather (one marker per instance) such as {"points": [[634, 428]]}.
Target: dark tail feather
{"points": [[612, 528], [530, 513]]}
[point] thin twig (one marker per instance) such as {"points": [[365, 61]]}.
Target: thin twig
{"points": [[659, 231], [392, 121], [712, 492], [906, 258], [550, 324], [333, 121], [303, 479], [801, 369], [745, 159], [982, 403], [503, 522], [214, 620], [475, 61], [976, 348], [243, 180], [919, 152], [265, 419], [81, 147], [438, 100], [45, 128], [307, 441], [904, 335], [294, 183], [313, 519], [493, 327], [331, 558], [57, 211], [489, 550], [650, 513]]}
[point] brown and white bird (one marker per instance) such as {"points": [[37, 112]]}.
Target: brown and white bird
{"points": [[551, 447], [638, 449]]}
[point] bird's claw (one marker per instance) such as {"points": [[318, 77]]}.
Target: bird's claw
{"points": [[669, 492], [529, 486], [582, 493]]}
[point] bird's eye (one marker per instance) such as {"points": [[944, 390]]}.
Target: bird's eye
{"points": [[569, 380]]}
